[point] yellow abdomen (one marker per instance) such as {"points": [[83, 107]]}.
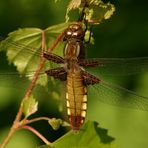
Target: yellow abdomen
{"points": [[76, 100]]}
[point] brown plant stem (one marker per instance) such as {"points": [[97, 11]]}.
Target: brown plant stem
{"points": [[34, 120], [37, 134], [16, 123]]}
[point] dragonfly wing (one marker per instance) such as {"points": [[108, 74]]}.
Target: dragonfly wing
{"points": [[24, 47], [11, 79], [120, 66], [57, 73], [24, 52], [119, 96]]}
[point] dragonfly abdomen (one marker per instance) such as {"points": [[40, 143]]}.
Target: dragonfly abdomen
{"points": [[76, 98]]}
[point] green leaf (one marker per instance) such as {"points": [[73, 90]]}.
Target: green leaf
{"points": [[89, 136], [23, 48], [30, 106]]}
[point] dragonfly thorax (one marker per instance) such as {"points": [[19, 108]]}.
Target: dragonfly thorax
{"points": [[72, 66], [72, 50]]}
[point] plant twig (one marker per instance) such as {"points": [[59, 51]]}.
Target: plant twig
{"points": [[37, 134], [34, 120], [27, 94], [56, 42]]}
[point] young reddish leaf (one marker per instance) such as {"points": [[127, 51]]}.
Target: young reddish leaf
{"points": [[95, 10], [55, 123], [74, 4], [98, 12]]}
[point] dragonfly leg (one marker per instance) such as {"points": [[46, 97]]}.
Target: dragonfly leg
{"points": [[52, 57], [89, 79], [57, 73]]}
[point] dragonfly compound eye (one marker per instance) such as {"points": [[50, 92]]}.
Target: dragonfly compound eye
{"points": [[74, 31]]}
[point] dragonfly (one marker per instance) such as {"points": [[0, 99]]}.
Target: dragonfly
{"points": [[78, 79]]}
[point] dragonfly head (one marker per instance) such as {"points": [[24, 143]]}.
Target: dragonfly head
{"points": [[74, 32]]}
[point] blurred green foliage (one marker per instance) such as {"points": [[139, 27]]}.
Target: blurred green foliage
{"points": [[124, 35]]}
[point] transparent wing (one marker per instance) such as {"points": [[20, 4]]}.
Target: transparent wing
{"points": [[107, 66], [25, 57], [16, 80], [120, 66], [18, 46], [118, 96]]}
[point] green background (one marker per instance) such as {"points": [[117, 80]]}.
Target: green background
{"points": [[124, 35]]}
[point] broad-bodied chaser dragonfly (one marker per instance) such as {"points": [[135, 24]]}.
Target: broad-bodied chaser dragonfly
{"points": [[78, 79]]}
